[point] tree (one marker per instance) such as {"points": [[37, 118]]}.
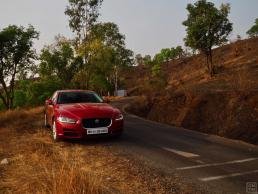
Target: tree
{"points": [[139, 59], [106, 55], [109, 34], [147, 60], [179, 52], [59, 60], [101, 64], [166, 54], [82, 14], [207, 27], [156, 70], [16, 56], [253, 31]]}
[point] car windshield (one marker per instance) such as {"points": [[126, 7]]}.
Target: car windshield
{"points": [[78, 97]]}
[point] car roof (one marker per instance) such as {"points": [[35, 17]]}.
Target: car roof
{"points": [[59, 91]]}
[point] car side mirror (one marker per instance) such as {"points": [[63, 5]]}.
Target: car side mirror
{"points": [[49, 102]]}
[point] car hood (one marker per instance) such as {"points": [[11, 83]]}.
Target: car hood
{"points": [[88, 110]]}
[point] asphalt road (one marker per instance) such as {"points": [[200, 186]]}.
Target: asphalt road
{"points": [[218, 164]]}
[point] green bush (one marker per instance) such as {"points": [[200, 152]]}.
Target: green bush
{"points": [[20, 98], [1, 105], [39, 91], [35, 92]]}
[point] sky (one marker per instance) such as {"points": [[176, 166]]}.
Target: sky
{"points": [[149, 25]]}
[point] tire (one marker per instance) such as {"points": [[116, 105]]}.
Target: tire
{"points": [[54, 133], [118, 135]]}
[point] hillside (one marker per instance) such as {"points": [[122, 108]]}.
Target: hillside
{"points": [[226, 104]]}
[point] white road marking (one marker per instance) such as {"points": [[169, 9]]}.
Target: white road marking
{"points": [[218, 164], [181, 153], [227, 176], [199, 161]]}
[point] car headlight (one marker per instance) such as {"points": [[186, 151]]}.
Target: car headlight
{"points": [[66, 120], [119, 117]]}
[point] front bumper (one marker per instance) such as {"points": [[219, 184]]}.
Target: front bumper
{"points": [[77, 131]]}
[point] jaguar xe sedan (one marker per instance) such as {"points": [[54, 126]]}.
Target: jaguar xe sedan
{"points": [[75, 114]]}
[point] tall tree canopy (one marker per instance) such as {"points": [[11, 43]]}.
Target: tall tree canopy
{"points": [[109, 34], [168, 54], [206, 27], [83, 14], [101, 46], [106, 56], [253, 31], [16, 56], [59, 60]]}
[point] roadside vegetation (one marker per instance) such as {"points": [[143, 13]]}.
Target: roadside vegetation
{"points": [[97, 57], [93, 60], [35, 164]]}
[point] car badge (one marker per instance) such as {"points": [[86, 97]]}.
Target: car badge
{"points": [[97, 121]]}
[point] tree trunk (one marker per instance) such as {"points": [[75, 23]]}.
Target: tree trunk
{"points": [[4, 101], [6, 94], [116, 80], [209, 62]]}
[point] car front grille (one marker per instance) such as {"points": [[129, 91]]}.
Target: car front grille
{"points": [[96, 122]]}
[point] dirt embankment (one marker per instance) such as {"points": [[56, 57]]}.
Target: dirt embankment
{"points": [[226, 104], [35, 164], [231, 115]]}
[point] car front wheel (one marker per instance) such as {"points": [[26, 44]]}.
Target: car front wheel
{"points": [[54, 132]]}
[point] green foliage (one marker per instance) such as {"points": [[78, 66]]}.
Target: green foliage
{"points": [[39, 91], [82, 14], [60, 60], [20, 98], [139, 59], [101, 46], [16, 57], [156, 70], [100, 84], [207, 26], [147, 60], [167, 54], [1, 105], [253, 31], [32, 92], [106, 56], [108, 33]]}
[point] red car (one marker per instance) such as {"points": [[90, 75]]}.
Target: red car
{"points": [[75, 114]]}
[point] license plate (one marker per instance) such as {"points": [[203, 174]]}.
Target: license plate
{"points": [[97, 131]]}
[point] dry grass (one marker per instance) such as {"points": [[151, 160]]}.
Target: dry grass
{"points": [[38, 165], [43, 170]]}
